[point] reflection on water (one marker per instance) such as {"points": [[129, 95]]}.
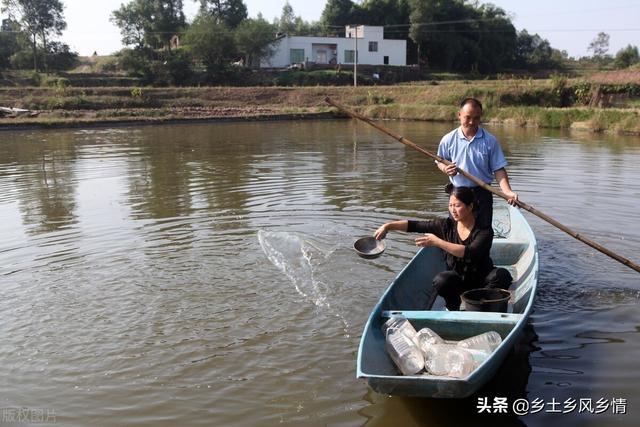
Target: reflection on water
{"points": [[204, 274]]}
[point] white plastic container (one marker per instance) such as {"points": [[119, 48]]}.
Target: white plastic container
{"points": [[427, 337], [486, 342], [435, 358], [448, 360], [401, 323], [404, 352], [459, 363]]}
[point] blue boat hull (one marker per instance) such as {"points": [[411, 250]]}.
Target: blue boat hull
{"points": [[412, 295]]}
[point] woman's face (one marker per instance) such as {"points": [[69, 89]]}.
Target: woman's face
{"points": [[459, 211]]}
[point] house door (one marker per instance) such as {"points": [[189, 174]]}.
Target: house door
{"points": [[321, 57]]}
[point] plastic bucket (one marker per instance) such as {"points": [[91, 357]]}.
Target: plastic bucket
{"points": [[486, 299]]}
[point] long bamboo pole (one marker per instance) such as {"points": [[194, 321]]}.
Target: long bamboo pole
{"points": [[482, 184]]}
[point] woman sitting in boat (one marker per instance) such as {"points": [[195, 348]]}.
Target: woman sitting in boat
{"points": [[466, 248]]}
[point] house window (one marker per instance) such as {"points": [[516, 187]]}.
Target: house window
{"points": [[297, 56], [385, 59], [349, 56], [373, 46]]}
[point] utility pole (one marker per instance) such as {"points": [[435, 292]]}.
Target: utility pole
{"points": [[355, 59]]}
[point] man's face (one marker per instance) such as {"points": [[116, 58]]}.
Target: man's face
{"points": [[470, 116]]}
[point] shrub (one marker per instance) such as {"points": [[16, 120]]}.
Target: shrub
{"points": [[36, 78], [108, 64], [560, 91], [179, 67], [136, 92], [60, 57], [60, 84], [373, 99], [581, 93], [135, 62]]}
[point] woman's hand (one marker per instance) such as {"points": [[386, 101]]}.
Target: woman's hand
{"points": [[381, 232], [428, 240]]}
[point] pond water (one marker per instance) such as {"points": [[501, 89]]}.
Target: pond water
{"points": [[203, 274]]}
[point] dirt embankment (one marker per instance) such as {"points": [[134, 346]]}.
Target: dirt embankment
{"points": [[68, 105], [520, 102], [618, 77]]}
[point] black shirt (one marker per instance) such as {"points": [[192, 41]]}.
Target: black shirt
{"points": [[476, 262]]}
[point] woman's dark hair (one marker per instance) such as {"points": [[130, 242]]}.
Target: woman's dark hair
{"points": [[464, 194]]}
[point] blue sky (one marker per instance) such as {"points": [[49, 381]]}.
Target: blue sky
{"points": [[568, 24]]}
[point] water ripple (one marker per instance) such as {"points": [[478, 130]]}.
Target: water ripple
{"points": [[172, 273]]}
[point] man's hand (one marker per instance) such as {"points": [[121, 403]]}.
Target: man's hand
{"points": [[451, 170], [512, 198], [503, 182]]}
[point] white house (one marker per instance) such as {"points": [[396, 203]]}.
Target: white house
{"points": [[372, 48]]}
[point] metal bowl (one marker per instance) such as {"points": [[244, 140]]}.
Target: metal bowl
{"points": [[368, 247]]}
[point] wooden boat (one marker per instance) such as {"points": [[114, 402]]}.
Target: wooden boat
{"points": [[411, 294]]}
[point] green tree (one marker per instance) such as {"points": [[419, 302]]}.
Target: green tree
{"points": [[137, 62], [458, 35], [8, 46], [339, 13], [227, 12], [287, 22], [441, 30], [314, 28], [254, 39], [10, 42], [149, 23], [60, 56], [559, 59], [599, 47], [534, 52], [39, 19], [168, 20], [392, 13], [626, 57], [130, 18], [495, 37], [211, 42]]}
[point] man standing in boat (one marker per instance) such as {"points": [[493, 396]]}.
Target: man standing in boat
{"points": [[478, 152]]}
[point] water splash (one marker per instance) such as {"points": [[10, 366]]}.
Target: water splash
{"points": [[299, 259]]}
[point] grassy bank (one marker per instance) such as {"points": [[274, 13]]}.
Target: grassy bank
{"points": [[552, 103], [623, 121]]}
